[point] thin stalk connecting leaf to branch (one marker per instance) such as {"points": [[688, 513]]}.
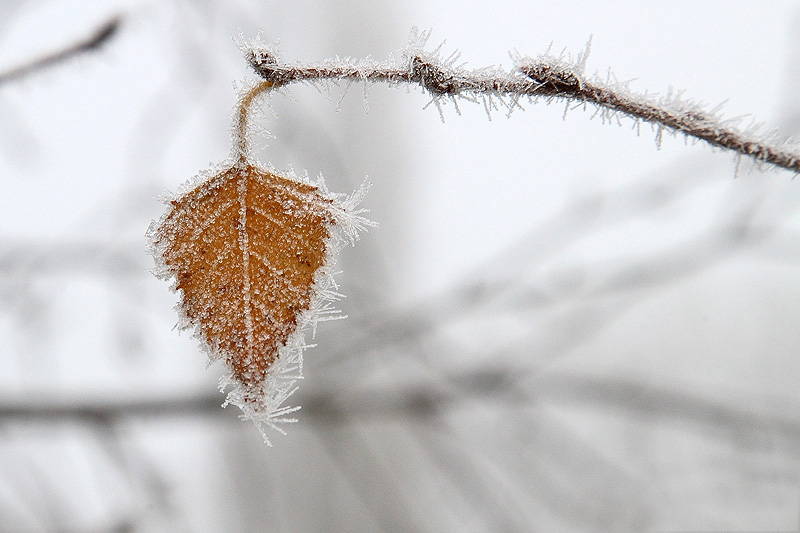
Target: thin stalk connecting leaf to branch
{"points": [[241, 144], [545, 77]]}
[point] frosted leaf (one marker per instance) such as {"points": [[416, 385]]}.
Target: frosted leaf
{"points": [[251, 253]]}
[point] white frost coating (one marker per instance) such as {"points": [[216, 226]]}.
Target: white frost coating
{"points": [[456, 73]]}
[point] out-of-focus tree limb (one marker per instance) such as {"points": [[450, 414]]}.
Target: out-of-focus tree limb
{"points": [[330, 407], [101, 36]]}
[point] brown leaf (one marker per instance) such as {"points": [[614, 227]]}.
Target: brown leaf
{"points": [[244, 247]]}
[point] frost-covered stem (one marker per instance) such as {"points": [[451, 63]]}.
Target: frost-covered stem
{"points": [[545, 77], [241, 144]]}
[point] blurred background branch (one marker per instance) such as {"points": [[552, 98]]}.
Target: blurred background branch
{"points": [[94, 42]]}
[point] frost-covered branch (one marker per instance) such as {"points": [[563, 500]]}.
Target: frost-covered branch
{"points": [[545, 77]]}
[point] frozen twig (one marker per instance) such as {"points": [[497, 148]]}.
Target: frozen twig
{"points": [[544, 77]]}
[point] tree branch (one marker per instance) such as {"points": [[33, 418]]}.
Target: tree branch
{"points": [[100, 36], [545, 77], [330, 406]]}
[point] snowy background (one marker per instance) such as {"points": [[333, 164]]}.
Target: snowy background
{"points": [[557, 326]]}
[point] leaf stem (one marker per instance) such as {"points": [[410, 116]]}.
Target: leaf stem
{"points": [[241, 143]]}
